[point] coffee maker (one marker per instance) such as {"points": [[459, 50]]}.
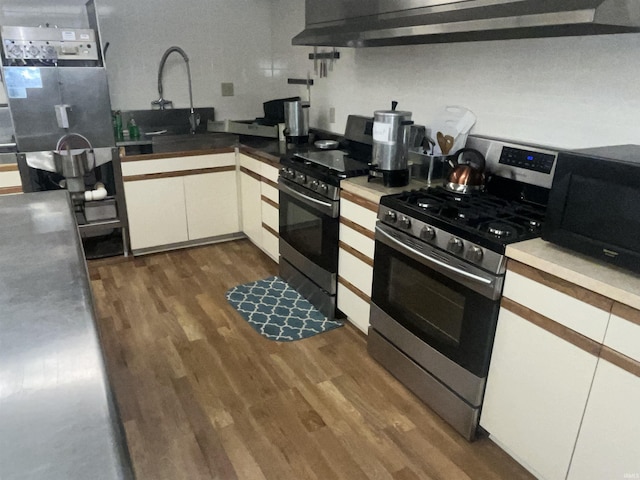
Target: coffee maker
{"points": [[296, 120], [391, 139]]}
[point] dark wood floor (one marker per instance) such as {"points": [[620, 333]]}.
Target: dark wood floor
{"points": [[203, 396]]}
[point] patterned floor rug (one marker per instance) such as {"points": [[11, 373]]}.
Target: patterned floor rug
{"points": [[277, 311]]}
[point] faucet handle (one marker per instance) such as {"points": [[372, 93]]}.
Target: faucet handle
{"points": [[162, 103]]}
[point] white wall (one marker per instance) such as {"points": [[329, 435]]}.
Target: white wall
{"points": [[226, 41], [564, 92]]}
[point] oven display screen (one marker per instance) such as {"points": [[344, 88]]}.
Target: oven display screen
{"points": [[440, 309]]}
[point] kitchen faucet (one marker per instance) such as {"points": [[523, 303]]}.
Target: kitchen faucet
{"points": [[162, 103]]}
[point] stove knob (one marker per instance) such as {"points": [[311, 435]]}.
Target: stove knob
{"points": [[427, 233], [315, 185], [301, 178], [323, 188], [283, 172], [475, 254], [455, 245], [405, 223], [391, 216], [291, 174]]}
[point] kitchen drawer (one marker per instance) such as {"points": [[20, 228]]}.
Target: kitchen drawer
{"points": [[358, 214], [357, 240], [251, 164], [354, 307], [588, 317], [623, 332], [10, 178], [177, 164], [355, 271], [270, 215], [270, 172], [270, 192], [270, 244]]}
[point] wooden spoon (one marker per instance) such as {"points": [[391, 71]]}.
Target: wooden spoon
{"points": [[445, 142]]}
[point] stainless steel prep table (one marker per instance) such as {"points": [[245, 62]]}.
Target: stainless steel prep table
{"points": [[57, 415]]}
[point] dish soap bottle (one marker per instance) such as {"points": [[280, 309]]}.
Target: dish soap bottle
{"points": [[117, 126], [134, 131]]}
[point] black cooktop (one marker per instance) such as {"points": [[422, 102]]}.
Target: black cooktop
{"points": [[327, 165], [483, 218]]}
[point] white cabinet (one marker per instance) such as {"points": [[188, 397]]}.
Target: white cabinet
{"points": [[260, 204], [10, 181], [175, 200], [543, 363], [355, 258], [608, 445], [536, 394], [211, 204], [251, 207], [156, 211], [270, 211]]}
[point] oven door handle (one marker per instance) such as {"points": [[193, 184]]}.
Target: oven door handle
{"points": [[304, 197], [444, 265]]}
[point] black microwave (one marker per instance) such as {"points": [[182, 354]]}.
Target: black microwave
{"points": [[594, 204]]}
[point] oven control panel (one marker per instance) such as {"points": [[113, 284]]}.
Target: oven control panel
{"points": [[324, 189], [475, 254], [531, 160]]}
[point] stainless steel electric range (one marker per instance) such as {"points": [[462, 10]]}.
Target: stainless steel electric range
{"points": [[439, 267], [309, 185]]}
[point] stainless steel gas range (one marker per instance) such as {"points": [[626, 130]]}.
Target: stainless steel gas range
{"points": [[439, 267], [309, 185]]}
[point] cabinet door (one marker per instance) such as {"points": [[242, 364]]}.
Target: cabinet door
{"points": [[251, 208], [212, 204], [157, 212], [608, 445], [10, 179], [536, 395]]}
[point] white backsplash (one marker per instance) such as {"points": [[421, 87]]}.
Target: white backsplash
{"points": [[226, 41], [565, 92]]}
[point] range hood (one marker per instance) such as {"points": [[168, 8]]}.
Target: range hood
{"points": [[369, 23]]}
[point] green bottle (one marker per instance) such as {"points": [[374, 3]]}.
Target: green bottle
{"points": [[134, 131], [117, 126]]}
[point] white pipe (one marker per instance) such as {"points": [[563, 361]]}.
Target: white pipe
{"points": [[99, 193]]}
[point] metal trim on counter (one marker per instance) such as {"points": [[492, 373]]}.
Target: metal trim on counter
{"points": [[58, 418]]}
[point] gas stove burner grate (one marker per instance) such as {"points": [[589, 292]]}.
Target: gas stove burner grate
{"points": [[501, 229], [429, 203]]}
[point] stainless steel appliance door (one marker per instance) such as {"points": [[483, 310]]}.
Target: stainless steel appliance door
{"points": [[436, 304], [34, 93], [308, 229]]}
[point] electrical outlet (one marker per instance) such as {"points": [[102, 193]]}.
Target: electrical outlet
{"points": [[227, 89], [332, 115]]}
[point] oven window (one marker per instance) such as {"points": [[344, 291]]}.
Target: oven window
{"points": [[309, 231], [437, 309], [452, 318], [303, 230]]}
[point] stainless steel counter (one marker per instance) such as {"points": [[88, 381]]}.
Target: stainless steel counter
{"points": [[57, 415]]}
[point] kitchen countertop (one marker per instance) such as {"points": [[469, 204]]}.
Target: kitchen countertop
{"points": [[57, 415], [615, 283], [373, 190]]}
